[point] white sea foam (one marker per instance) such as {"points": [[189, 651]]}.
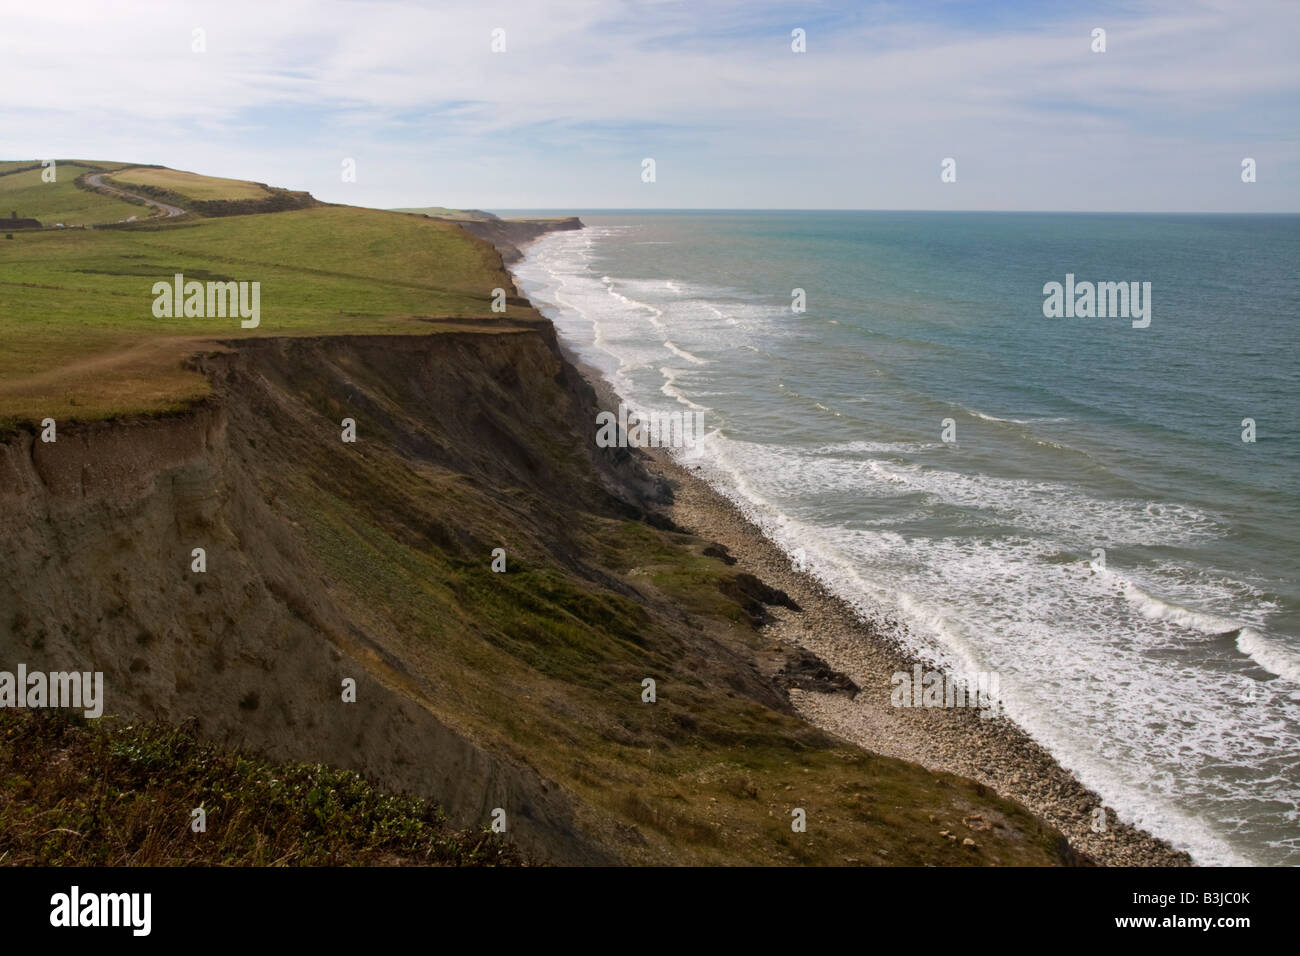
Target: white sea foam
{"points": [[683, 354], [670, 389], [655, 314], [1269, 654], [1054, 507], [876, 447], [1012, 421], [1157, 609], [1053, 631]]}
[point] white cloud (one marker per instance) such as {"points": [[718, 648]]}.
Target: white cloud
{"points": [[585, 89]]}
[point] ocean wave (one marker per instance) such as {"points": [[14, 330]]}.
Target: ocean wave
{"points": [[670, 389], [807, 400], [1053, 508], [1012, 421], [683, 354], [1269, 654], [655, 313], [876, 447], [1154, 608], [720, 314]]}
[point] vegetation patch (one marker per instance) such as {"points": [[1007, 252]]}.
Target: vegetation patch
{"points": [[76, 793]]}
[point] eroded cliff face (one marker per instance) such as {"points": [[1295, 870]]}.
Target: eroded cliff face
{"points": [[377, 561], [100, 528]]}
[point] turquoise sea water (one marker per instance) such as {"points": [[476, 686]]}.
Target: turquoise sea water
{"points": [[1098, 534]]}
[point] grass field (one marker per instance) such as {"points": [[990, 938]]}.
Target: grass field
{"points": [[61, 200], [76, 308], [190, 185]]}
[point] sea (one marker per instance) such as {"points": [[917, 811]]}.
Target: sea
{"points": [[1103, 511]]}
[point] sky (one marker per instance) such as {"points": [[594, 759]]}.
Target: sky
{"points": [[584, 91]]}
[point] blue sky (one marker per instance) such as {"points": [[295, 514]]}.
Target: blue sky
{"points": [[712, 91]]}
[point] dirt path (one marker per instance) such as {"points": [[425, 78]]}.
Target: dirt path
{"points": [[168, 211], [152, 353]]}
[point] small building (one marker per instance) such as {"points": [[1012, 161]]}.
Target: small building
{"points": [[15, 223]]}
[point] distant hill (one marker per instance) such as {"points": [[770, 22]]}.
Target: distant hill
{"points": [[442, 212], [191, 185], [207, 196], [507, 235], [25, 192], [92, 193]]}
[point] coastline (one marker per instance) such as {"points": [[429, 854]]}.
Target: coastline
{"points": [[994, 752]]}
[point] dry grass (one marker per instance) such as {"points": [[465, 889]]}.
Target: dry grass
{"points": [[191, 185]]}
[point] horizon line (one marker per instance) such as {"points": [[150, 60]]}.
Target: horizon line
{"points": [[1070, 212]]}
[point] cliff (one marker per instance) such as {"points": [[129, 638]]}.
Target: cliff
{"points": [[509, 236], [104, 521]]}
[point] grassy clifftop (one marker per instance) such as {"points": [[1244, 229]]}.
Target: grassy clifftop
{"points": [[76, 306]]}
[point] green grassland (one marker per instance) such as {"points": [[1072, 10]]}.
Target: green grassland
{"points": [[59, 201], [76, 307]]}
